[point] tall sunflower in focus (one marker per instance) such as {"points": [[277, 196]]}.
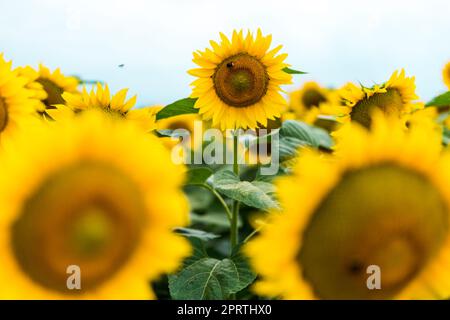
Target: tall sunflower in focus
{"points": [[239, 81], [384, 200], [100, 98], [16, 105], [446, 75], [394, 98], [307, 102], [47, 86], [105, 199]]}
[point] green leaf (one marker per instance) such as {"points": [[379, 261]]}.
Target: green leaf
{"points": [[292, 71], [446, 136], [289, 146], [323, 138], [216, 219], [194, 233], [251, 194], [198, 176], [440, 101], [206, 278], [245, 274], [183, 106], [295, 134], [198, 198], [266, 187], [300, 131]]}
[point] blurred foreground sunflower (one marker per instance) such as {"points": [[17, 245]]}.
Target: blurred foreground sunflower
{"points": [[100, 98], [105, 199], [47, 86], [239, 81], [16, 105], [384, 201], [394, 98]]}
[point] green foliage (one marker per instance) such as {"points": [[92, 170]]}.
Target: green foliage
{"points": [[198, 198], [213, 219], [252, 194], [183, 106], [198, 176], [206, 278], [292, 71], [198, 234], [442, 100], [446, 136], [296, 134]]}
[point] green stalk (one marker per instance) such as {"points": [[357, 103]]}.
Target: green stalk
{"points": [[219, 197], [234, 232]]}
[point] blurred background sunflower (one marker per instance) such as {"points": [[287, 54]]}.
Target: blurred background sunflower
{"points": [[100, 98], [17, 105], [48, 87]]}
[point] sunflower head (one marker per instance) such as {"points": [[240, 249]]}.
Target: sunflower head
{"points": [[383, 201], [185, 121], [17, 105], [446, 75], [239, 80], [394, 98], [100, 98], [106, 202], [48, 87], [308, 101]]}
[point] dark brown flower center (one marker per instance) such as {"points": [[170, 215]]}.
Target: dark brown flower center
{"points": [[179, 125], [89, 215], [389, 102], [54, 93], [3, 114], [386, 216], [241, 81], [312, 98]]}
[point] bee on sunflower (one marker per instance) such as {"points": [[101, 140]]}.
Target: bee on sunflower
{"points": [[396, 97], [383, 200], [446, 75], [17, 106], [239, 81], [100, 98], [47, 86], [107, 202]]}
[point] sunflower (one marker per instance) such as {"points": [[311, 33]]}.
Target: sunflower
{"points": [[307, 102], [106, 202], [47, 86], [239, 80], [16, 105], [395, 98], [185, 121], [100, 98], [384, 200], [446, 75]]}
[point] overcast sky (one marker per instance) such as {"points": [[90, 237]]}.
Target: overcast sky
{"points": [[334, 40]]}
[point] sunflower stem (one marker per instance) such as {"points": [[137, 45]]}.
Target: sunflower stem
{"points": [[220, 198], [234, 232]]}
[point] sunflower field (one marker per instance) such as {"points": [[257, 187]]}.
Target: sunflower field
{"points": [[240, 191]]}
